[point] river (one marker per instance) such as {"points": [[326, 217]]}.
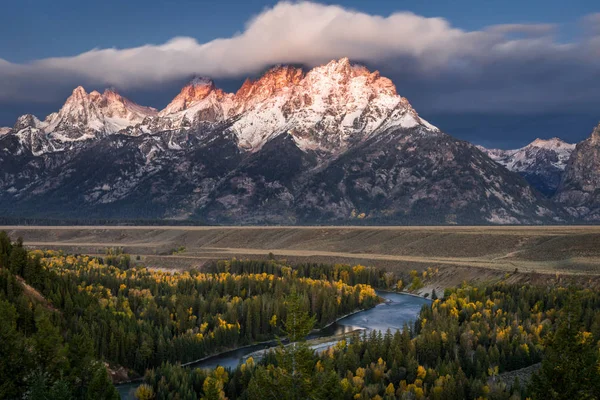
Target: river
{"points": [[397, 310]]}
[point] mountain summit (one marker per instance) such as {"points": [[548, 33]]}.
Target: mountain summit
{"points": [[334, 144], [542, 162], [84, 115], [578, 190], [191, 94]]}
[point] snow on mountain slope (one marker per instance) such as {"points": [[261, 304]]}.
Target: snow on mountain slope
{"points": [[30, 134], [578, 190], [198, 101], [260, 106], [329, 108], [542, 162], [553, 151], [324, 145], [4, 130], [195, 91], [84, 115]]}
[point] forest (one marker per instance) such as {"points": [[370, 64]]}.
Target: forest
{"points": [[457, 349], [71, 321], [138, 318]]}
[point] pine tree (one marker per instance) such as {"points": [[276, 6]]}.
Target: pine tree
{"points": [[12, 354], [100, 387], [570, 369], [292, 378], [5, 249], [50, 353], [18, 258]]}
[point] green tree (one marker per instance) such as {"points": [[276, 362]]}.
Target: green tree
{"points": [[50, 353], [5, 249], [40, 388], [13, 354], [100, 387], [570, 369], [293, 377], [18, 258]]}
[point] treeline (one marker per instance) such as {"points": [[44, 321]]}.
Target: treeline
{"points": [[45, 221], [348, 274], [457, 349], [37, 361]]}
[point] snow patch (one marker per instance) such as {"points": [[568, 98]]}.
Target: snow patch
{"points": [[501, 217]]}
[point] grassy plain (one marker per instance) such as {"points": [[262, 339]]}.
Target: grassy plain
{"points": [[460, 253]]}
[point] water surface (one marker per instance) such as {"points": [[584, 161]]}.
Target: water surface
{"points": [[398, 309]]}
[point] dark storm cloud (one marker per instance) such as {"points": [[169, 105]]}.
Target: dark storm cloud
{"points": [[515, 68]]}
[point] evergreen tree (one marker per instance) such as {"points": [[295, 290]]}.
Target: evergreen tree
{"points": [[292, 378], [570, 369], [100, 387], [5, 249], [18, 258], [13, 357]]}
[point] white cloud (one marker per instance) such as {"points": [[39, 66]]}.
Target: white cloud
{"points": [[526, 29], [410, 48]]}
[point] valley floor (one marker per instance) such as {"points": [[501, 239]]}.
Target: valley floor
{"points": [[460, 253]]}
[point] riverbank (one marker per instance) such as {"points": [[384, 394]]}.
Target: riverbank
{"points": [[393, 315], [267, 343], [318, 344], [418, 295]]}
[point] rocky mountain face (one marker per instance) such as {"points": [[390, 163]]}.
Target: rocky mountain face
{"points": [[542, 162], [579, 190], [335, 144]]}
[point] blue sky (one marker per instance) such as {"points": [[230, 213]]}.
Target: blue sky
{"points": [[511, 85], [33, 29]]}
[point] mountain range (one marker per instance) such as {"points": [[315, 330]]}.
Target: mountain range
{"points": [[542, 162], [334, 144]]}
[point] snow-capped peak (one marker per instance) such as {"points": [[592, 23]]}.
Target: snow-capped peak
{"points": [[341, 69], [276, 79], [542, 161], [553, 152], [78, 93], [329, 108], [191, 94], [27, 121], [4, 130], [84, 115], [551, 144]]}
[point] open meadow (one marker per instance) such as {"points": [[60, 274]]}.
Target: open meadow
{"points": [[478, 253]]}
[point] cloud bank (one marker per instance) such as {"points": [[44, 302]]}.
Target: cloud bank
{"points": [[502, 68]]}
